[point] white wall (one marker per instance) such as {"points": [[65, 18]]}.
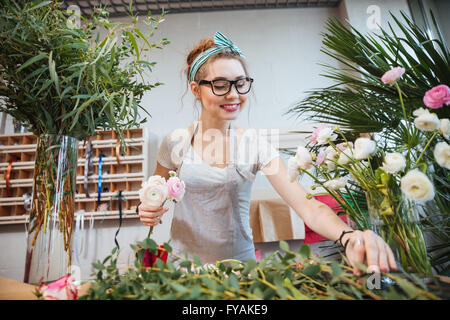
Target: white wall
{"points": [[362, 12]]}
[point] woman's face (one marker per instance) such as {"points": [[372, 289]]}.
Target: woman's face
{"points": [[226, 107]]}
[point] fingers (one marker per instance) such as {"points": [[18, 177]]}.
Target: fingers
{"points": [[355, 251], [391, 258], [151, 216], [372, 252], [369, 245], [382, 256], [386, 259]]}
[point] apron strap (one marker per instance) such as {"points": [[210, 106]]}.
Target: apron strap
{"points": [[234, 155], [187, 145]]}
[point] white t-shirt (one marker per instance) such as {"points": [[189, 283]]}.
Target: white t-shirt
{"points": [[254, 150]]}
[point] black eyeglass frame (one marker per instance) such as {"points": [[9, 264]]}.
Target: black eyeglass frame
{"points": [[232, 82]]}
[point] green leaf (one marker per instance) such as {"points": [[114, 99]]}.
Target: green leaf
{"points": [[311, 269], [150, 244], [406, 286], [284, 246], [250, 264], [305, 251], [40, 56], [134, 43], [197, 261], [336, 269], [233, 281], [195, 292], [42, 4], [98, 266], [167, 247], [295, 292]]}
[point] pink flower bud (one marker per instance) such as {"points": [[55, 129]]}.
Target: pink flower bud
{"points": [[320, 157], [389, 77]]}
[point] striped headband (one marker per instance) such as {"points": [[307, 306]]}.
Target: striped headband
{"points": [[222, 43]]}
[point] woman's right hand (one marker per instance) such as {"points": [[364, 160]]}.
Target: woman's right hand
{"points": [[149, 215]]}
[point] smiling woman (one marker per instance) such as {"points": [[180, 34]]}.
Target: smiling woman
{"points": [[212, 221]]}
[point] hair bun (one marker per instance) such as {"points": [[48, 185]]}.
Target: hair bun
{"points": [[202, 46]]}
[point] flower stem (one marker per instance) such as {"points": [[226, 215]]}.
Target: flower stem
{"points": [[404, 115], [401, 102], [150, 232], [426, 146]]}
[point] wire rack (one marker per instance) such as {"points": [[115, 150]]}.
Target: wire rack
{"points": [[118, 8]]}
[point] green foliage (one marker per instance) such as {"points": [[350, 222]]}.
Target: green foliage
{"points": [[288, 276], [56, 78]]}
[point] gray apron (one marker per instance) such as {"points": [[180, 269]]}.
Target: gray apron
{"points": [[212, 220]]}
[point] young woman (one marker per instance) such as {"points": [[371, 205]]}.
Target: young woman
{"points": [[212, 220]]}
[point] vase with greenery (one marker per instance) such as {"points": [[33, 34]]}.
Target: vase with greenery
{"points": [[64, 81]]}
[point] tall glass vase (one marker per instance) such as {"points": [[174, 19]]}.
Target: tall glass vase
{"points": [[50, 228], [399, 225]]}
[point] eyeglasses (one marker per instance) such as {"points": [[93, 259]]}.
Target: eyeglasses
{"points": [[223, 87]]}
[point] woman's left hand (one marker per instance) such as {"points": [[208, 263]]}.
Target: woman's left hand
{"points": [[368, 246]]}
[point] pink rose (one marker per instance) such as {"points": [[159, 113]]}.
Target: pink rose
{"points": [[176, 188], [437, 96], [389, 77], [61, 289], [320, 157], [315, 133]]}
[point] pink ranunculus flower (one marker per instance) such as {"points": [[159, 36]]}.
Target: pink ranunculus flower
{"points": [[61, 289], [344, 145], [315, 133], [320, 157], [437, 96], [176, 188], [389, 77], [303, 158]]}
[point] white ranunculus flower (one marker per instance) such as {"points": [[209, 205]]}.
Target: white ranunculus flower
{"points": [[445, 128], [303, 158], [156, 179], [325, 135], [420, 111], [364, 147], [345, 156], [442, 154], [293, 169], [153, 194], [416, 186], [425, 120], [393, 162], [331, 157], [336, 184]]}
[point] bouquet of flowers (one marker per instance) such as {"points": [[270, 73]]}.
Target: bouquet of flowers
{"points": [[395, 184], [358, 102], [155, 192]]}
